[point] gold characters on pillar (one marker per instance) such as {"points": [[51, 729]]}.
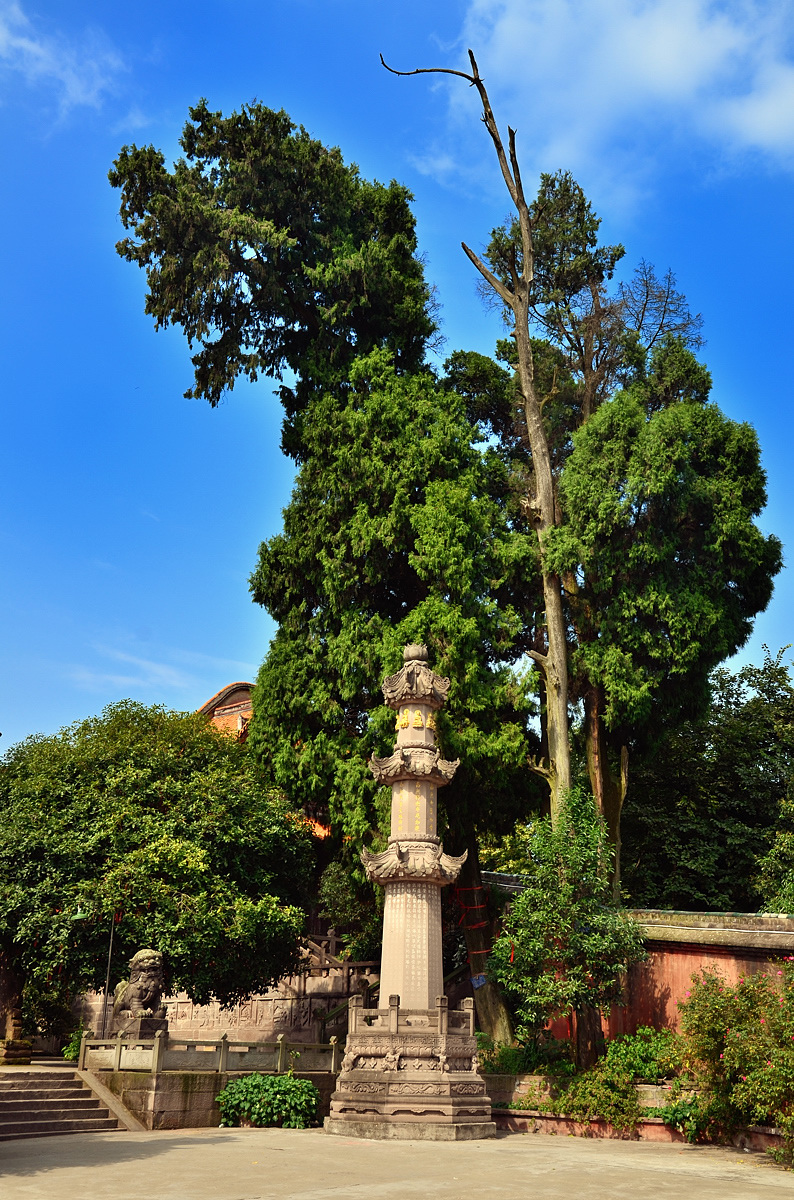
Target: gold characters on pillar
{"points": [[418, 722]]}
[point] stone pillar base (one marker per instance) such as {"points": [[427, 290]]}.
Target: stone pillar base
{"points": [[418, 1131], [14, 1051], [410, 1073], [143, 1028]]}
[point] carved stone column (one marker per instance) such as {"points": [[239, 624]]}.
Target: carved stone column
{"points": [[414, 868], [410, 1069]]}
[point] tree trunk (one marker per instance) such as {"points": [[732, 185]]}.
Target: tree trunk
{"points": [[544, 509], [589, 1037], [11, 983], [492, 1014], [608, 768]]}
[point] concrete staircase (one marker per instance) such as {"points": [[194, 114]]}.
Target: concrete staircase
{"points": [[41, 1103]]}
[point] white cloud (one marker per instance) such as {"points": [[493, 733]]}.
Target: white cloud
{"points": [[140, 672], [175, 670], [590, 81], [79, 71]]}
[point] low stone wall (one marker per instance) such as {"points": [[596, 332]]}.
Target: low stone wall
{"points": [[652, 1129], [186, 1099], [528, 1090]]}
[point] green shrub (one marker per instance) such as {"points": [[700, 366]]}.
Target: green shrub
{"points": [[691, 1115], [565, 944], [647, 1055], [605, 1091], [269, 1100], [71, 1051], [740, 1042], [547, 1056]]}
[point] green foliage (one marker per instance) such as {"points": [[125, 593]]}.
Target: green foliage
{"points": [[545, 1055], [647, 1055], [272, 253], [709, 812], [690, 1115], [740, 1040], [269, 1100], [71, 1051], [565, 944], [659, 531], [395, 533], [605, 1092], [158, 818], [354, 909]]}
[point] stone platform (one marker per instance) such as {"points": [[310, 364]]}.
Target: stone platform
{"points": [[412, 1131], [411, 1073]]}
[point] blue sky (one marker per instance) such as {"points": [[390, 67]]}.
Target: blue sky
{"points": [[130, 517]]}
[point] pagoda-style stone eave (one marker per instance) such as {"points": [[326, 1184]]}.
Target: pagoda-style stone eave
{"points": [[415, 682], [414, 762], [420, 862]]}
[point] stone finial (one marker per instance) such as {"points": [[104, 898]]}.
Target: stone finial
{"points": [[415, 681]]}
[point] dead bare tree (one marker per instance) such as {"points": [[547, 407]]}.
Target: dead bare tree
{"points": [[540, 501]]}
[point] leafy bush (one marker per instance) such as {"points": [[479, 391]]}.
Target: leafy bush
{"points": [[691, 1115], [565, 944], [71, 1051], [607, 1092], [547, 1056], [269, 1100], [647, 1055], [741, 1045]]}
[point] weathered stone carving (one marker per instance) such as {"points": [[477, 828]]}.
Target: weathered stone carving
{"points": [[142, 994], [415, 681], [415, 1089], [414, 762], [413, 1045], [424, 861]]}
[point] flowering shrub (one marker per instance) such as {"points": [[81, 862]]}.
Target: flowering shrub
{"points": [[741, 1042]]}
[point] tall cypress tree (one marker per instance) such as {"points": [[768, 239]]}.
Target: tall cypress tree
{"points": [[398, 531]]}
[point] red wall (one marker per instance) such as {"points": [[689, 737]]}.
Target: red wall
{"points": [[655, 986]]}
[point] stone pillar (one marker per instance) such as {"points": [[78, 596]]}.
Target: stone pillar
{"points": [[414, 868], [410, 1067]]}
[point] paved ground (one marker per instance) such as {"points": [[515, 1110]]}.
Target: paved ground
{"points": [[295, 1164]]}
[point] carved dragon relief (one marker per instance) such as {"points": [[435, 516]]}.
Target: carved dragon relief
{"points": [[414, 762], [413, 860]]}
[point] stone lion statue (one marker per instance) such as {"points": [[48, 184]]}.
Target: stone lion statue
{"points": [[141, 995]]}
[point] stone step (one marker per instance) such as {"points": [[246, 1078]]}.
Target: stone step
{"points": [[38, 1080], [66, 1071], [35, 1096], [48, 1103], [45, 1087], [46, 1106], [15, 1129]]}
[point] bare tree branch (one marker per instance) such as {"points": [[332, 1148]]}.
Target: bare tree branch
{"points": [[430, 71], [489, 120], [505, 295]]}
